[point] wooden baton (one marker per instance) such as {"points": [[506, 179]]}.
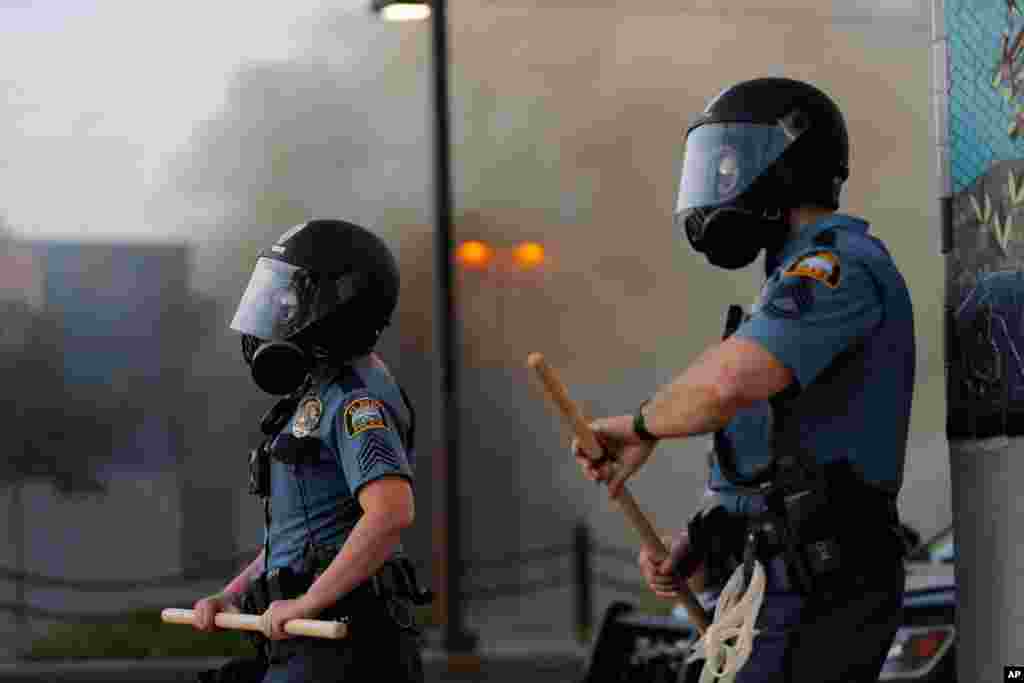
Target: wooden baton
{"points": [[314, 628], [559, 395]]}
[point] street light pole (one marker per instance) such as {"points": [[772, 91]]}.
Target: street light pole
{"points": [[17, 530], [456, 638]]}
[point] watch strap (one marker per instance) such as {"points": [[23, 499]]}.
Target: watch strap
{"points": [[640, 425]]}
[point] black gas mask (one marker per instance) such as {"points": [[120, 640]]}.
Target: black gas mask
{"points": [[279, 310], [716, 234], [278, 367], [731, 195]]}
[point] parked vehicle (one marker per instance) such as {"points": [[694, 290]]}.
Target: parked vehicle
{"points": [[925, 646], [635, 646]]}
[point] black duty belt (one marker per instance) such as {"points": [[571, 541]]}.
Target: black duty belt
{"points": [[818, 535], [805, 536], [285, 584], [388, 596]]}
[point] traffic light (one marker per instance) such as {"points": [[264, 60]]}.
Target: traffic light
{"points": [[479, 255], [529, 255], [474, 254]]}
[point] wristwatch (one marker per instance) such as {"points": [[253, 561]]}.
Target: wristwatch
{"points": [[640, 425]]}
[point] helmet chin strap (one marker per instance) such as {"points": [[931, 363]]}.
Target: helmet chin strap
{"points": [[786, 232]]}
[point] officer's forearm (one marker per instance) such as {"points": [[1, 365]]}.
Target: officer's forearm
{"points": [[368, 547], [241, 582], [686, 410], [694, 403]]}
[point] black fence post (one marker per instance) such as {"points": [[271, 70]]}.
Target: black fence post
{"points": [[17, 528], [584, 574]]}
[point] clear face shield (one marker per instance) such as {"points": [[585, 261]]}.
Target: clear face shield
{"points": [[722, 160], [282, 300]]}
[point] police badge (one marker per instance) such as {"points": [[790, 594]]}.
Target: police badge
{"points": [[307, 419]]}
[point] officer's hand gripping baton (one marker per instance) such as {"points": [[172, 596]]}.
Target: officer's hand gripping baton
{"points": [[313, 628], [559, 395]]}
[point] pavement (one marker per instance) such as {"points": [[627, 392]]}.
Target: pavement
{"points": [[520, 639], [539, 660], [524, 661]]}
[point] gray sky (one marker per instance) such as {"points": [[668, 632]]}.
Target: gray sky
{"points": [[99, 94]]}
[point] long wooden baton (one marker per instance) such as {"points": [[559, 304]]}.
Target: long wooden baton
{"points": [[314, 628], [559, 395]]}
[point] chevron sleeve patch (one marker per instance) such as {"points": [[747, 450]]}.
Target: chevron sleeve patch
{"points": [[366, 441], [377, 454]]}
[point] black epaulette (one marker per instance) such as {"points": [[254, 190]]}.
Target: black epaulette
{"points": [[826, 239], [734, 317], [277, 417]]}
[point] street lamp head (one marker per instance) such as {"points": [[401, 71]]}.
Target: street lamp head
{"points": [[410, 10], [529, 255], [474, 254]]}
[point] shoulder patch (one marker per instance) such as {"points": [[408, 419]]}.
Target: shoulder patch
{"points": [[822, 266], [364, 414]]}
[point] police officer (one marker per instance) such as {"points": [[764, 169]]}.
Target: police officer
{"points": [[808, 395], [335, 471]]}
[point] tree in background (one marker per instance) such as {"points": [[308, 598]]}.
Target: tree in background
{"points": [[52, 439]]}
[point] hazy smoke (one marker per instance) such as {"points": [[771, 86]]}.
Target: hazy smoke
{"points": [[563, 135], [339, 132]]}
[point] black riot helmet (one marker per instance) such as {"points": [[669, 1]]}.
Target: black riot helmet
{"points": [[324, 291], [759, 148]]}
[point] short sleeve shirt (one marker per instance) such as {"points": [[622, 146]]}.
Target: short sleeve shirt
{"points": [[812, 309], [825, 295], [348, 431]]}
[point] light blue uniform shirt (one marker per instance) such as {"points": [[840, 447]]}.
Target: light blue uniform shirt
{"points": [[361, 435], [835, 310]]}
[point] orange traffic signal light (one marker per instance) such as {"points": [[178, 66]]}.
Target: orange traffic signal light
{"points": [[474, 254], [529, 255]]}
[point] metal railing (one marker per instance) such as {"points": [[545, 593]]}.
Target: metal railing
{"points": [[583, 553]]}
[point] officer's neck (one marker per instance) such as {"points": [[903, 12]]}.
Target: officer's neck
{"points": [[325, 370], [799, 218], [803, 216]]}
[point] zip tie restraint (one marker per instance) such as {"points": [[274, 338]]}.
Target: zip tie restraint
{"points": [[734, 620]]}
